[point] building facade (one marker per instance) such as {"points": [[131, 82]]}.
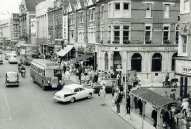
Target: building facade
{"points": [[183, 62], [27, 20], [55, 22], [42, 24], [138, 35]]}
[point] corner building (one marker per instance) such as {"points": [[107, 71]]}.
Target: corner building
{"points": [[183, 62], [139, 35]]}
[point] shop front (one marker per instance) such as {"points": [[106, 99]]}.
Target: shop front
{"points": [[151, 62]]}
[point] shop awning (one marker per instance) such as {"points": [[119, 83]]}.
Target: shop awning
{"points": [[19, 43], [81, 58], [65, 51]]}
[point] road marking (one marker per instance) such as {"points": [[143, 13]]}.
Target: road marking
{"points": [[9, 119]]}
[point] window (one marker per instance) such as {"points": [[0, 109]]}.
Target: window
{"points": [[80, 35], [72, 19], [125, 34], [148, 10], [126, 6], [156, 62], [116, 32], [166, 34], [186, 5], [148, 34], [109, 34], [102, 33], [102, 12], [109, 10], [177, 34], [80, 17], [166, 10], [117, 6], [184, 43], [136, 61], [92, 14], [91, 34], [173, 61], [106, 61]]}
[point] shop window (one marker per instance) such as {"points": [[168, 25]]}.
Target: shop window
{"points": [[156, 62], [116, 60], [106, 61], [136, 62], [173, 61]]}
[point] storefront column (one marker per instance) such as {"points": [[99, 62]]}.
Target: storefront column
{"points": [[99, 60], [110, 60], [185, 86], [123, 61], [129, 61], [147, 62], [121, 35], [181, 86], [112, 37], [103, 61], [164, 62]]}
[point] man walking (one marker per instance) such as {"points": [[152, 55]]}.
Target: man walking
{"points": [[128, 106], [118, 100]]}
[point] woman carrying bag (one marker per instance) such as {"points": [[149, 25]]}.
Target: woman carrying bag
{"points": [[102, 95]]}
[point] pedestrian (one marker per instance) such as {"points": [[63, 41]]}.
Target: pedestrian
{"points": [[154, 116], [128, 101], [173, 94], [118, 100], [67, 73], [64, 68], [166, 94], [102, 95]]}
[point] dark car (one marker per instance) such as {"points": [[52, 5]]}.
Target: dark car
{"points": [[108, 85]]}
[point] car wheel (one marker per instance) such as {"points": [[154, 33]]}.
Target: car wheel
{"points": [[43, 87], [72, 100], [89, 95]]}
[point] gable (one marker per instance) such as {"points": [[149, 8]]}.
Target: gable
{"points": [[69, 8], [90, 2], [79, 4]]}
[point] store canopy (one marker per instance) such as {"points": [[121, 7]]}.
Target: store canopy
{"points": [[19, 43], [152, 97], [81, 58], [65, 51]]}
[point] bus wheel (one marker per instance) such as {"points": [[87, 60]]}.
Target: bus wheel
{"points": [[33, 80], [43, 87]]}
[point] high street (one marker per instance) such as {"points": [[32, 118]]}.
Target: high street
{"points": [[29, 107]]}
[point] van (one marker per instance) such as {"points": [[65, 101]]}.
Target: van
{"points": [[12, 58]]}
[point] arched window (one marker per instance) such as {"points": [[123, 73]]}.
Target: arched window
{"points": [[106, 61], [116, 60], [157, 62], [173, 61], [136, 61]]}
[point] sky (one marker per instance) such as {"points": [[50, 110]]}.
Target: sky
{"points": [[7, 7]]}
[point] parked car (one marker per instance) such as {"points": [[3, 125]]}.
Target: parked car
{"points": [[108, 85], [1, 61], [6, 56], [12, 79], [73, 92]]}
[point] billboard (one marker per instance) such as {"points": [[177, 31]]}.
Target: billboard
{"points": [[65, 27]]}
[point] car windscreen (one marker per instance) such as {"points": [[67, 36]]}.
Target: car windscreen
{"points": [[67, 90], [11, 74]]}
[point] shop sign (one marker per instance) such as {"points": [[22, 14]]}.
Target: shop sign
{"points": [[183, 67], [65, 27], [157, 48]]}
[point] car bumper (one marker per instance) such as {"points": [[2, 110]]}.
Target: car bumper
{"points": [[59, 99], [11, 83], [12, 61]]}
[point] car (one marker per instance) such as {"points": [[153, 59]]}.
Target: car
{"points": [[108, 85], [12, 58], [1, 61], [6, 56], [12, 79], [73, 92]]}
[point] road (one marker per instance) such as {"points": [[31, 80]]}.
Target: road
{"points": [[29, 107]]}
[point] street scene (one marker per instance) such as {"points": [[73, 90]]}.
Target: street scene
{"points": [[95, 64]]}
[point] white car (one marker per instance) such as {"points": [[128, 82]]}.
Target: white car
{"points": [[72, 92], [12, 58]]}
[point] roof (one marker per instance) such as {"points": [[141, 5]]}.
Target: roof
{"points": [[152, 97], [73, 86], [31, 4], [44, 61], [73, 3], [11, 72], [81, 3]]}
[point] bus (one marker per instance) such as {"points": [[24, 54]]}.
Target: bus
{"points": [[46, 73], [28, 52]]}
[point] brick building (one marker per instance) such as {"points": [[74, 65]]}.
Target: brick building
{"points": [[183, 62], [55, 22], [138, 35]]}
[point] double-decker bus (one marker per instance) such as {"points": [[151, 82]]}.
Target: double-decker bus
{"points": [[28, 52], [46, 73]]}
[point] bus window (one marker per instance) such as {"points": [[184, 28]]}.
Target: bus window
{"points": [[49, 73]]}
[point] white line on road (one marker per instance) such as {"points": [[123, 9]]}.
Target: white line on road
{"points": [[8, 110]]}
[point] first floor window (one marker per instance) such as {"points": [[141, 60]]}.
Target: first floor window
{"points": [[166, 34], [116, 34], [125, 34], [184, 43], [148, 31], [177, 34]]}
